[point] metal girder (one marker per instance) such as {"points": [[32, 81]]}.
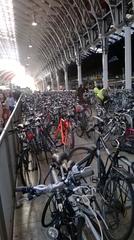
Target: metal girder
{"points": [[63, 22], [59, 34], [79, 7], [65, 28], [72, 21]]}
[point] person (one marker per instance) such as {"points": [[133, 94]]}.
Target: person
{"points": [[82, 92], [79, 94], [6, 113], [86, 92], [10, 102], [101, 94]]}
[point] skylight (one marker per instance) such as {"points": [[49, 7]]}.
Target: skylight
{"points": [[8, 45]]}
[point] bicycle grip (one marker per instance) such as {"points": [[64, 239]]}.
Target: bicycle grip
{"points": [[23, 189], [86, 172]]}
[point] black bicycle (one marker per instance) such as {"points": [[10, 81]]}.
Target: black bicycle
{"points": [[113, 180], [71, 211], [28, 165]]}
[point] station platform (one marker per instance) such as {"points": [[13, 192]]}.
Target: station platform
{"points": [[27, 219]]}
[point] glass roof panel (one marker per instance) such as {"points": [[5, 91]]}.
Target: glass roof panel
{"points": [[7, 31]]}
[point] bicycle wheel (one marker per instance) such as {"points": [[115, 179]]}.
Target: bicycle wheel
{"points": [[118, 208], [80, 126], [93, 133], [52, 217], [79, 129], [91, 229], [70, 140], [47, 156], [77, 154], [30, 170], [57, 142], [50, 212], [88, 113]]}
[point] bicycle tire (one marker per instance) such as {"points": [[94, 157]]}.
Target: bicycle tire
{"points": [[70, 142], [115, 208], [30, 170], [83, 156], [85, 234], [95, 225], [45, 215], [91, 133], [80, 127], [57, 142], [79, 130], [88, 113], [90, 110]]}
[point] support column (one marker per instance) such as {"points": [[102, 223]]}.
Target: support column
{"points": [[40, 85], [57, 80], [133, 6], [79, 69], [105, 62], [66, 77], [128, 59], [45, 84], [52, 82]]}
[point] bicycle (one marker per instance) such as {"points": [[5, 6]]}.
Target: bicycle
{"points": [[71, 212], [82, 118], [66, 131], [27, 160], [113, 180], [111, 128]]}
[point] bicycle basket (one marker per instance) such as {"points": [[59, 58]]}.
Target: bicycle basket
{"points": [[129, 133], [127, 143]]}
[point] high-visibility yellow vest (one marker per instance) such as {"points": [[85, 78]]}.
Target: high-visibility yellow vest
{"points": [[99, 93]]}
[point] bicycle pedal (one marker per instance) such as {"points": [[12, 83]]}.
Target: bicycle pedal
{"points": [[52, 233]]}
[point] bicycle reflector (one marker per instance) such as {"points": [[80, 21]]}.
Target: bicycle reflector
{"points": [[30, 136], [79, 108]]}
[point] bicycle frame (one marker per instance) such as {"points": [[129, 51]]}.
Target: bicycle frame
{"points": [[71, 200], [63, 126], [104, 169]]}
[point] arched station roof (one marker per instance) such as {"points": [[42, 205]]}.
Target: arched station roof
{"points": [[65, 31]]}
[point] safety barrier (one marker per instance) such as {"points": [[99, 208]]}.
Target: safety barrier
{"points": [[8, 153]]}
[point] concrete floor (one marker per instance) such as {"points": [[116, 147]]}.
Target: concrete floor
{"points": [[27, 219]]}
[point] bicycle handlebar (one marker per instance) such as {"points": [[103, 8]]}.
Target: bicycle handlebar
{"points": [[86, 172], [42, 189]]}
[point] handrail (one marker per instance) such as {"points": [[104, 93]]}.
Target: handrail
{"points": [[8, 163], [9, 121]]}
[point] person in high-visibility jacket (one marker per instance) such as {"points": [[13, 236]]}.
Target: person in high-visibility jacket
{"points": [[101, 94]]}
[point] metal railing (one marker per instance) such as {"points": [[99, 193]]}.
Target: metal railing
{"points": [[8, 153]]}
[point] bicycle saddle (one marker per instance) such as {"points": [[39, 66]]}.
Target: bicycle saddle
{"points": [[57, 108], [59, 157], [20, 126]]}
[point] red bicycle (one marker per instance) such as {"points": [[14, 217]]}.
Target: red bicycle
{"points": [[65, 132]]}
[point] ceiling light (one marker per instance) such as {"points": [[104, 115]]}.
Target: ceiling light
{"points": [[34, 24], [28, 57], [30, 46]]}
